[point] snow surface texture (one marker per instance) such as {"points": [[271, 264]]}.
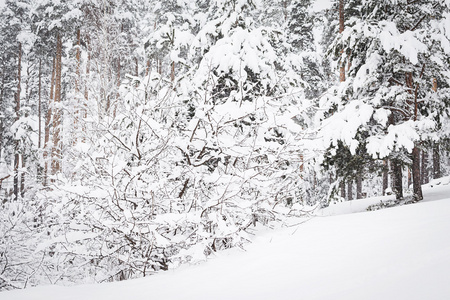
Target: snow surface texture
{"points": [[396, 253]]}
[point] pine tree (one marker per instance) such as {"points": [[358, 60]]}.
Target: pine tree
{"points": [[386, 82]]}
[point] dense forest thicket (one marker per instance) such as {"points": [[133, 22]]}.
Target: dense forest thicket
{"points": [[137, 135]]}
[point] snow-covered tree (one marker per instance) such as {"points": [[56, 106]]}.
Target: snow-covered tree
{"points": [[390, 67]]}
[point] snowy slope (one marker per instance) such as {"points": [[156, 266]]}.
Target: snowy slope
{"points": [[396, 253]]}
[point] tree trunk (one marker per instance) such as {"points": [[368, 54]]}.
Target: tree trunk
{"points": [[385, 176], [397, 177], [86, 90], [436, 161], [359, 180], [341, 29], [76, 120], [57, 146], [409, 177], [118, 86], [147, 69], [2, 88], [22, 178], [342, 187], [350, 189], [436, 150], [16, 175], [48, 119], [417, 188], [88, 70], [17, 111], [40, 104], [159, 66], [39, 167], [424, 168], [136, 65], [172, 72]]}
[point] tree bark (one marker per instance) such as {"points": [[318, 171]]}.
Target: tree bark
{"points": [[118, 79], [16, 175], [2, 88], [136, 66], [341, 29], [40, 104], [417, 189], [436, 150], [17, 111], [22, 178], [342, 187], [385, 176], [350, 189], [76, 120], [57, 146], [436, 161], [397, 177], [147, 69], [86, 89], [48, 119], [409, 177], [88, 68], [359, 181], [424, 168]]}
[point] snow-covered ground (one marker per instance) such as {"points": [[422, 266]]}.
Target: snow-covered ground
{"points": [[396, 253]]}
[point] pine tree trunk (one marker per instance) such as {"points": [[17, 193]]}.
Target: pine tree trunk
{"points": [[1, 105], [424, 167], [48, 120], [436, 150], [302, 165], [397, 177], [359, 194], [136, 65], [16, 175], [40, 104], [341, 16], [409, 177], [385, 176], [147, 69], [57, 146], [436, 161], [39, 167], [350, 189], [172, 72], [342, 187], [159, 66], [341, 29], [88, 70], [17, 111], [417, 189], [22, 178], [76, 120], [86, 89], [118, 86]]}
